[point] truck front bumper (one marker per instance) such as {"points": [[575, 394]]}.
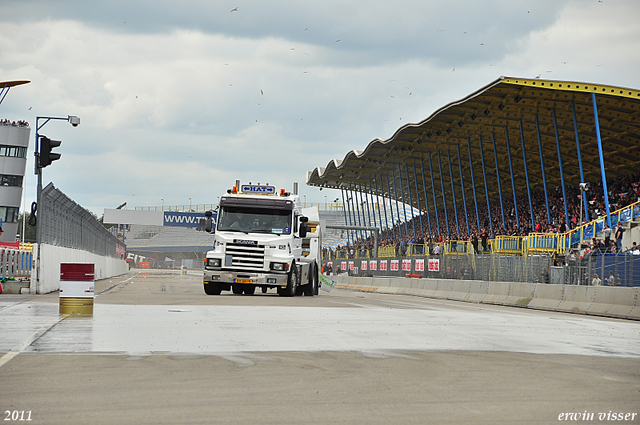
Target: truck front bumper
{"points": [[233, 277]]}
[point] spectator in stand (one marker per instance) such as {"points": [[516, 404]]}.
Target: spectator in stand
{"points": [[596, 280], [483, 237], [544, 276], [618, 235], [611, 279]]}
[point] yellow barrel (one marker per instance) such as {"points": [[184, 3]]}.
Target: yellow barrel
{"points": [[76, 306]]}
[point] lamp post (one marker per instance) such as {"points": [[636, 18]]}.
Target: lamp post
{"points": [[74, 121]]}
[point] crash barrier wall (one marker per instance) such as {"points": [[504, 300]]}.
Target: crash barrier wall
{"points": [[593, 300], [501, 268], [70, 234], [64, 223], [51, 257]]}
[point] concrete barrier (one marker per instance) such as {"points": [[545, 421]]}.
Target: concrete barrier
{"points": [[614, 301], [577, 299], [429, 288], [477, 291], [460, 290], [404, 286], [520, 294], [547, 297], [497, 293], [445, 286], [596, 300]]}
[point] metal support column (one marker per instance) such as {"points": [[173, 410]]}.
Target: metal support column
{"points": [[444, 200], [393, 176], [513, 184], [413, 221], [564, 194], [604, 177], [415, 180], [526, 174], [426, 201], [404, 204], [453, 191], [473, 184], [544, 179], [435, 204], [375, 224], [575, 127], [486, 188], [495, 156], [381, 193], [344, 209], [464, 198], [393, 230]]}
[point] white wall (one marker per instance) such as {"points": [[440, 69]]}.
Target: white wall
{"points": [[52, 256]]}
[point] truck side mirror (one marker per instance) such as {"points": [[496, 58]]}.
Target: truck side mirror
{"points": [[303, 226], [208, 222]]}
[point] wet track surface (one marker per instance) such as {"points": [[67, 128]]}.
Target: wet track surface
{"points": [[394, 359]]}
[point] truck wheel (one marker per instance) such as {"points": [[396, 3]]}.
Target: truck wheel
{"points": [[212, 288], [292, 283], [311, 288], [237, 289], [249, 289]]}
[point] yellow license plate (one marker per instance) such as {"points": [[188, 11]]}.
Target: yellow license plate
{"points": [[244, 281]]}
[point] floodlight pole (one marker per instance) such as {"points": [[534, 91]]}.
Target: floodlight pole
{"points": [[75, 121]]}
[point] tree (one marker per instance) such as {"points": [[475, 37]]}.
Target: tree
{"points": [[30, 231]]}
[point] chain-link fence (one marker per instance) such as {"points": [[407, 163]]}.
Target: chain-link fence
{"points": [[66, 224], [618, 269]]}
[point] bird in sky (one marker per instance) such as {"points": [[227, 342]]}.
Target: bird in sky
{"points": [[234, 10]]}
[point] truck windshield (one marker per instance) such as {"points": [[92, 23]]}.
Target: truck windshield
{"points": [[254, 220]]}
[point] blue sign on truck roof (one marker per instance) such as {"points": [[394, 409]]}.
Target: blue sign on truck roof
{"points": [[252, 188]]}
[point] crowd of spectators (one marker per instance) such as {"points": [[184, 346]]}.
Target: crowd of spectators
{"points": [[429, 232], [19, 123]]}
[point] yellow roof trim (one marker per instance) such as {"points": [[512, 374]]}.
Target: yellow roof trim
{"points": [[574, 87]]}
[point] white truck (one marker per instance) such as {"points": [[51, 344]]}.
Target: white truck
{"points": [[262, 238]]}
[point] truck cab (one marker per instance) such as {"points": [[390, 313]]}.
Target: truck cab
{"points": [[262, 240]]}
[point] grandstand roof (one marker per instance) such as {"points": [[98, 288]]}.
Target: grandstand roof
{"points": [[497, 111]]}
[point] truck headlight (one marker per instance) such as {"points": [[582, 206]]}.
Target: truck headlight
{"points": [[279, 267], [213, 262]]}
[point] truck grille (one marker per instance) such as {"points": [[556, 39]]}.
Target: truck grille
{"points": [[246, 257]]}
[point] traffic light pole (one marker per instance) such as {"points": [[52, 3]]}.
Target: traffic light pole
{"points": [[75, 121]]}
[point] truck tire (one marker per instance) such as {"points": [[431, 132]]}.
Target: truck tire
{"points": [[249, 289], [212, 288], [237, 289], [292, 283], [311, 288]]}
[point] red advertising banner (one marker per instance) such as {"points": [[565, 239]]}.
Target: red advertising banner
{"points": [[373, 265], [363, 265], [434, 265], [350, 265], [406, 265], [420, 265], [394, 265], [383, 265], [343, 266]]}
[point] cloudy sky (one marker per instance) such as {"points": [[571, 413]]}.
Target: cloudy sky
{"points": [[177, 100]]}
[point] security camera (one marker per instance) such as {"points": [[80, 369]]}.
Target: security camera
{"points": [[75, 121]]}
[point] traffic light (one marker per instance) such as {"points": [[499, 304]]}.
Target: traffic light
{"points": [[46, 156]]}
